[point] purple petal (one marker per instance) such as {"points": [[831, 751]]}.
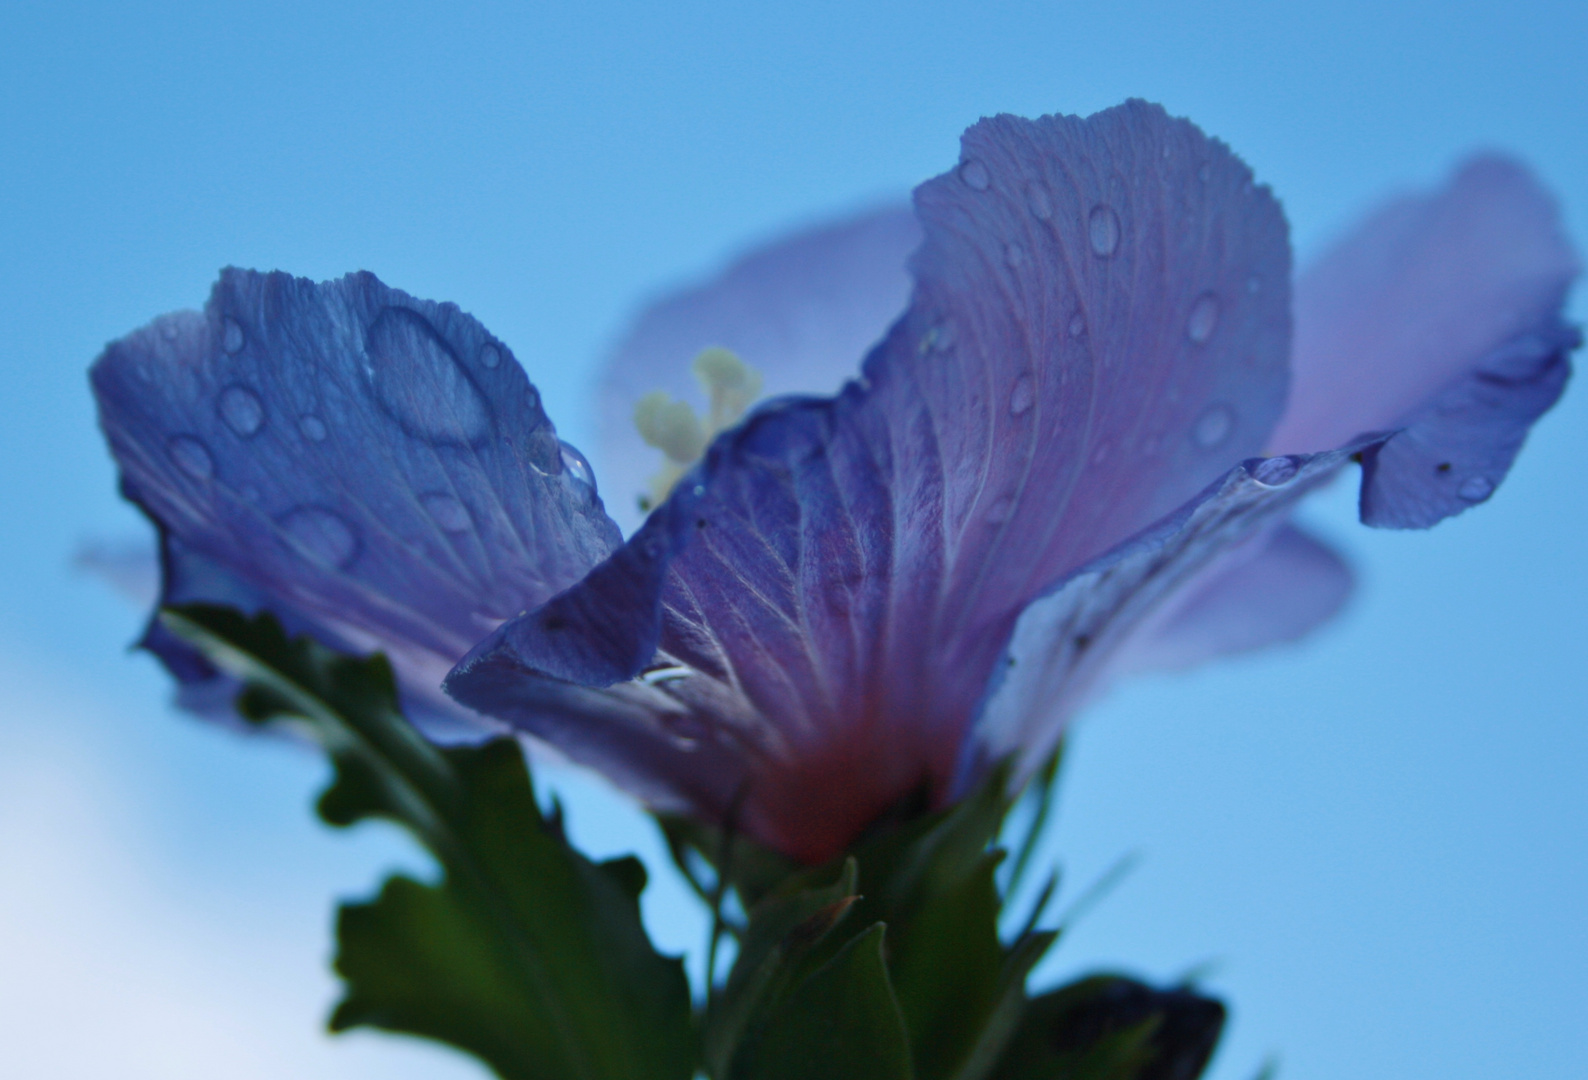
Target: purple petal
{"points": [[1276, 587], [1439, 315], [1084, 350], [802, 311], [1068, 643], [368, 466]]}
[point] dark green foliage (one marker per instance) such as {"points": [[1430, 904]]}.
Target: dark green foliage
{"points": [[1112, 1028], [524, 952]]}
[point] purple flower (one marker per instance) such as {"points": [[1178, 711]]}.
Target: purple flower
{"points": [[1050, 469]]}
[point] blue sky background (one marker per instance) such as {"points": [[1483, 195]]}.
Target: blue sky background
{"points": [[1379, 839]]}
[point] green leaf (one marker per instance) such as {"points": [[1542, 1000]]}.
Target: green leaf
{"points": [[524, 952], [841, 1023], [782, 931], [1109, 1027]]}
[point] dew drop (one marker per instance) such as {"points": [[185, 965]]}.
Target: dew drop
{"points": [[974, 173], [446, 511], [576, 467], [662, 674], [313, 428], [1077, 325], [490, 355], [321, 535], [685, 728], [241, 410], [1015, 255], [1275, 471], [232, 337], [418, 380], [1254, 285], [1476, 488], [1039, 202], [1022, 396], [1213, 426], [191, 456], [1102, 228], [939, 338], [1204, 318], [1204, 173]]}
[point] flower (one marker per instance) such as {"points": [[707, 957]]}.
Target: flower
{"points": [[1049, 470]]}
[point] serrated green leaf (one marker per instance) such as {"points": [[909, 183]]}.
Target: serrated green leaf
{"points": [[524, 952], [841, 1023]]}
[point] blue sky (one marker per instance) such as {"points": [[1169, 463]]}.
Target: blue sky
{"points": [[1378, 839]]}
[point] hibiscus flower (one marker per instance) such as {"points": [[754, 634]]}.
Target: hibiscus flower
{"points": [[1071, 450]]}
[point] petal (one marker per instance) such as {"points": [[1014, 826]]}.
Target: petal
{"points": [[1440, 315], [1068, 643], [1084, 350], [1275, 588], [801, 310], [366, 465]]}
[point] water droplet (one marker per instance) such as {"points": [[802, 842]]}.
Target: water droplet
{"points": [[169, 329], [1077, 324], [1204, 318], [1213, 426], [1102, 228], [321, 535], [1001, 510], [687, 729], [191, 456], [313, 428], [662, 674], [974, 173], [1204, 173], [1166, 151], [1476, 488], [1275, 471], [447, 511], [939, 338], [576, 467], [419, 381], [490, 355], [1039, 202], [231, 337], [241, 410], [1022, 396], [1014, 255], [1254, 285]]}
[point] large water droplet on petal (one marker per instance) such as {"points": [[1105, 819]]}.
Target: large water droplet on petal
{"points": [[446, 511], [313, 428], [1077, 325], [191, 456], [1015, 255], [1039, 202], [1476, 488], [419, 381], [1275, 471], [321, 535], [1022, 396], [1213, 426], [576, 467], [242, 411], [1204, 318], [974, 173], [231, 336], [490, 355], [1102, 228]]}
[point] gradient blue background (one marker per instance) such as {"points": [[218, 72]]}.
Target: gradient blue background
{"points": [[1378, 838]]}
